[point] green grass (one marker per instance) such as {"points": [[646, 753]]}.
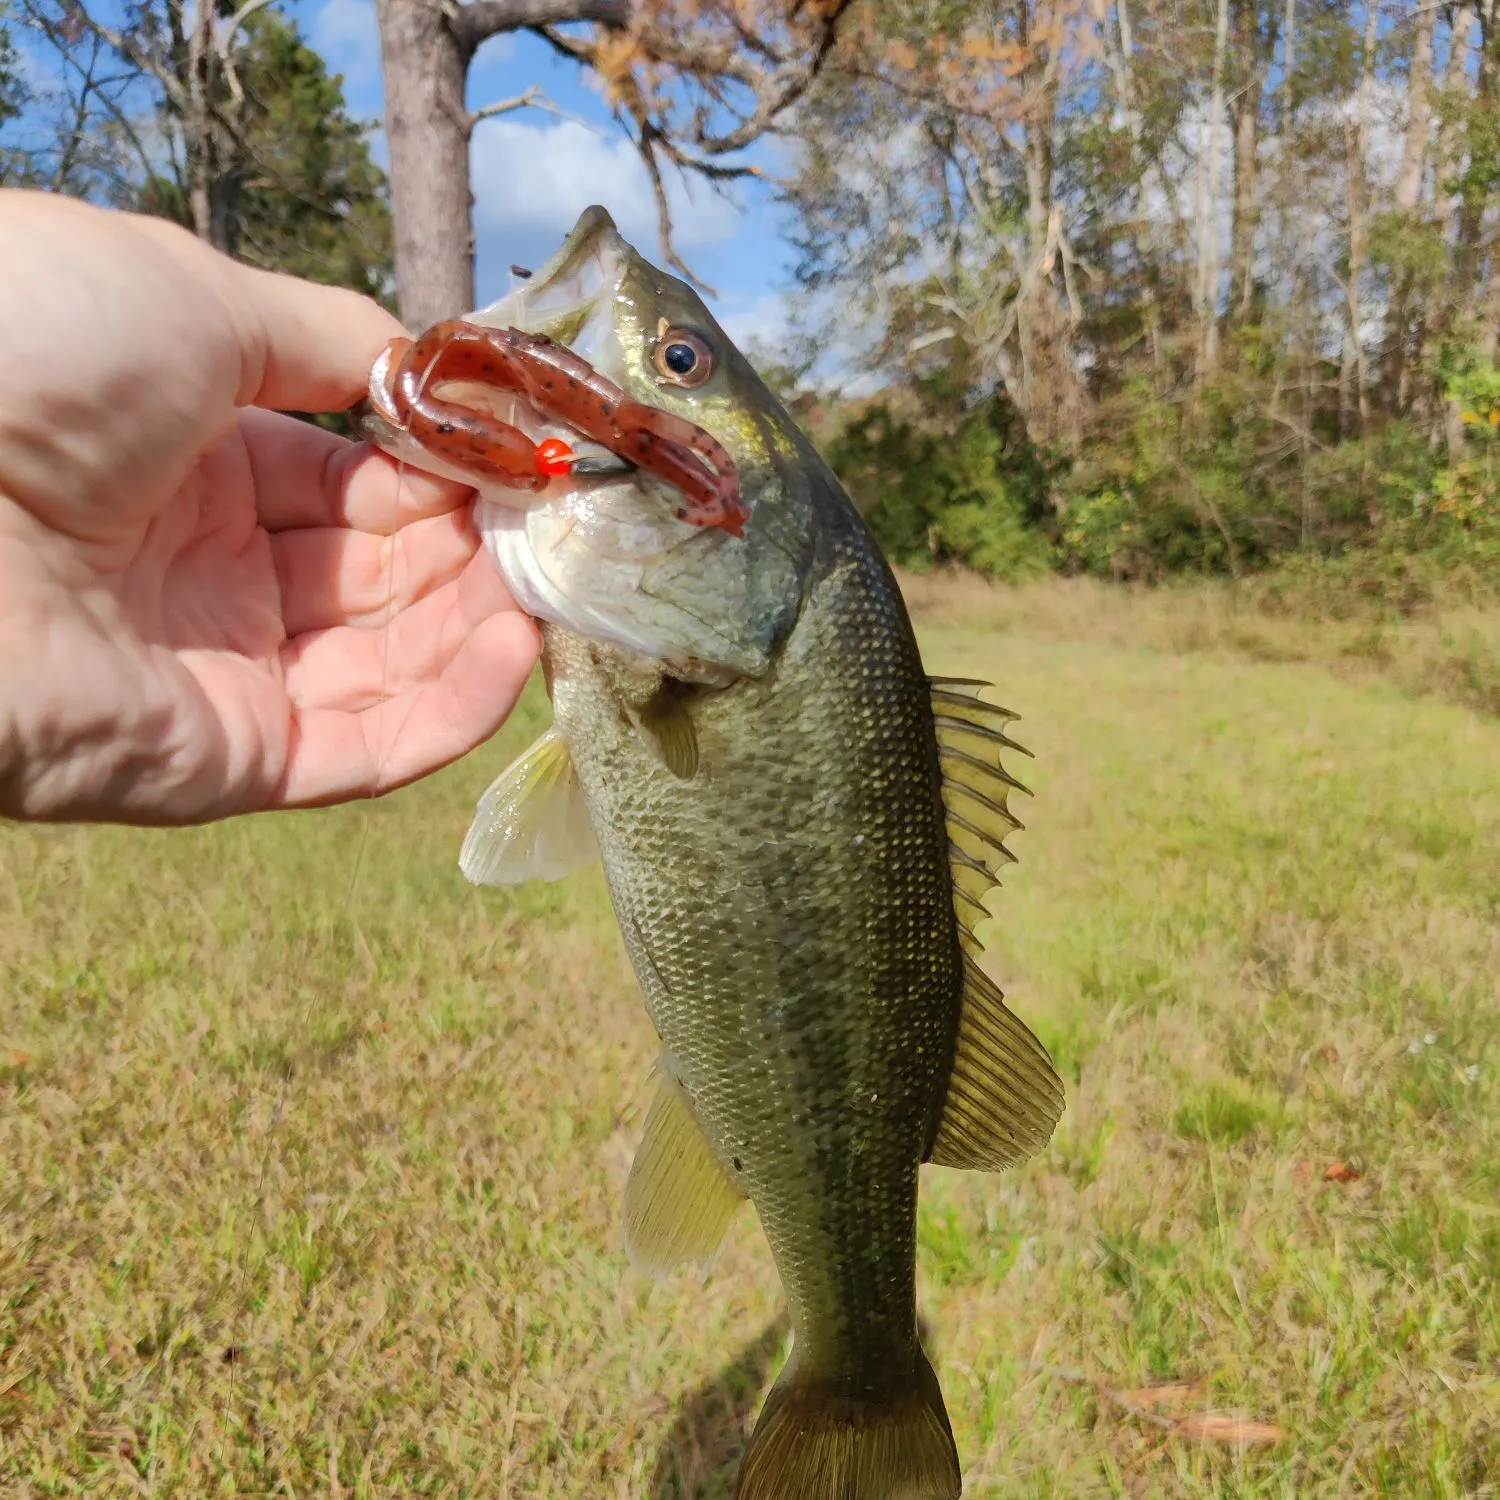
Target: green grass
{"points": [[311, 1155]]}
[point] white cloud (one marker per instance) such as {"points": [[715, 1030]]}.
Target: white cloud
{"points": [[765, 322], [344, 31], [495, 49], [531, 181]]}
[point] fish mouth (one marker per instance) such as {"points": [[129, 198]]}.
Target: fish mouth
{"points": [[604, 465], [569, 299]]}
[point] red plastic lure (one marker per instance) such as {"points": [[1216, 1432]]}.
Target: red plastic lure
{"points": [[562, 386]]}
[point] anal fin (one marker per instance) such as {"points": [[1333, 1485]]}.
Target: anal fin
{"points": [[679, 1199], [533, 823], [1004, 1096]]}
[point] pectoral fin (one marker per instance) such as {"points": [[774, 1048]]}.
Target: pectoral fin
{"points": [[1004, 1096], [667, 727], [533, 823], [679, 1199]]}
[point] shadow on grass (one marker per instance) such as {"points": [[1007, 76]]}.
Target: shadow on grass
{"points": [[701, 1454]]}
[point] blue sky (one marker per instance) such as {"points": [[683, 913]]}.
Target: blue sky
{"points": [[533, 173]]}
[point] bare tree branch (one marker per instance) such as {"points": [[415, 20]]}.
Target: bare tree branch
{"points": [[148, 60], [532, 98], [478, 20], [238, 19], [754, 78], [75, 138], [506, 106]]}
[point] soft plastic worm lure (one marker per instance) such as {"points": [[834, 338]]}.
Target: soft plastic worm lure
{"points": [[563, 387]]}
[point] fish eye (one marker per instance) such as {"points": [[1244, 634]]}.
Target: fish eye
{"points": [[682, 357]]}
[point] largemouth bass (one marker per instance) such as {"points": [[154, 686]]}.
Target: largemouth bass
{"points": [[798, 829]]}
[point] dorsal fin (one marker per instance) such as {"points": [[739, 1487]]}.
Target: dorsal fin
{"points": [[971, 736], [1004, 1098]]}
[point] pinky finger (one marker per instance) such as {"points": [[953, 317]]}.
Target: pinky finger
{"points": [[337, 756]]}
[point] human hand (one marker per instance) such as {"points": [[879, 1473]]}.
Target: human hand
{"points": [[208, 607]]}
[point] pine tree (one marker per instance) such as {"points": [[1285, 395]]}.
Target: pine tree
{"points": [[309, 199]]}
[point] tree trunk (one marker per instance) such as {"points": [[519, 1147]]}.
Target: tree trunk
{"points": [[1444, 146], [1419, 114], [1434, 316], [1401, 341], [1357, 140], [1053, 399], [427, 128], [1208, 208], [1471, 211], [1120, 52], [1246, 115], [212, 154], [1246, 198]]}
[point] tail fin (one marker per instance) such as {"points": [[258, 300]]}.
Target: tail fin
{"points": [[813, 1444]]}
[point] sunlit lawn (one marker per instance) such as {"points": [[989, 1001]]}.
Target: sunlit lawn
{"points": [[310, 1154]]}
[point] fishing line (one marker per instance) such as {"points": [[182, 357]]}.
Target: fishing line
{"points": [[235, 1352]]}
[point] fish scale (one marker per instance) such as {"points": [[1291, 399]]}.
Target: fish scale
{"points": [[794, 979]]}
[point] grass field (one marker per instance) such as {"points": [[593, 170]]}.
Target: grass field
{"points": [[310, 1154]]}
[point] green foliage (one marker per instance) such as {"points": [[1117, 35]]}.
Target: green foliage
{"points": [[974, 495], [13, 163], [1207, 488], [12, 92], [312, 202]]}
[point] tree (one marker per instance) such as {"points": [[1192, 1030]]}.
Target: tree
{"points": [[1235, 261], [691, 82], [12, 95], [311, 200], [228, 123], [936, 193]]}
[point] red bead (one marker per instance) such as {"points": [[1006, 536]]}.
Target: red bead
{"points": [[553, 457]]}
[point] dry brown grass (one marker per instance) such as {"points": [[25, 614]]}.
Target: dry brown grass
{"points": [[310, 1156]]}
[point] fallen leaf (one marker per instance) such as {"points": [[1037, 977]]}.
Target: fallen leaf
{"points": [[1231, 1427], [1330, 1054], [1302, 1171], [1342, 1172], [1162, 1397], [17, 1058]]}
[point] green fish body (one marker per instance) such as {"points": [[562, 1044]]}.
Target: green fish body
{"points": [[798, 829]]}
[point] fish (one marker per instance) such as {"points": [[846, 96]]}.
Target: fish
{"points": [[799, 830]]}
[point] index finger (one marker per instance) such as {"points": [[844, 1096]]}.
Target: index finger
{"points": [[302, 346], [306, 347]]}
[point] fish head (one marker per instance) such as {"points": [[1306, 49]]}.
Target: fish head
{"points": [[599, 550]]}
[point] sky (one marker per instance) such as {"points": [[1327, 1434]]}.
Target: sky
{"points": [[534, 173]]}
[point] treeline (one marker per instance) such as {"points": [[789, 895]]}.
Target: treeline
{"points": [[1161, 285], [224, 120], [1138, 286]]}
